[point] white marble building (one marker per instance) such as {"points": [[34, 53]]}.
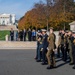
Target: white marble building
{"points": [[7, 19]]}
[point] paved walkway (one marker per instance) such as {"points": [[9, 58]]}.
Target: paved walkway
{"points": [[21, 62], [17, 45]]}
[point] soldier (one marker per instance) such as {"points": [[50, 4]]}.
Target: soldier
{"points": [[73, 48], [44, 46], [65, 46], [39, 40], [50, 54], [70, 47], [62, 43]]}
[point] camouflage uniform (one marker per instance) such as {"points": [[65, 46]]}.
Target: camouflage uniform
{"points": [[50, 53]]}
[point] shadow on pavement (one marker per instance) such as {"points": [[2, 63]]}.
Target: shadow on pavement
{"points": [[64, 63]]}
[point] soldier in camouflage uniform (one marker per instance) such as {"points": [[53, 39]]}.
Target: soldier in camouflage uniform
{"points": [[73, 49], [65, 46], [50, 54], [62, 43], [70, 47]]}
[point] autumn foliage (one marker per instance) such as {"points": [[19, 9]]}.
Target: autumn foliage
{"points": [[58, 14]]}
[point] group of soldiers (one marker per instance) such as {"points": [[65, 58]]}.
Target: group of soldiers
{"points": [[46, 47], [66, 45]]}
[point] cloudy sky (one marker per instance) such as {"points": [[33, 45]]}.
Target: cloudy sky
{"points": [[18, 7]]}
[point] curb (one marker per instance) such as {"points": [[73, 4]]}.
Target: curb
{"points": [[17, 48]]}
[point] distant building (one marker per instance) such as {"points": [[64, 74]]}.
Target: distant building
{"points": [[7, 19]]}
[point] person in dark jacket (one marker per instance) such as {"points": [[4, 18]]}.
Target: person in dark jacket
{"points": [[12, 34], [29, 35], [24, 34], [62, 43], [44, 46], [21, 35], [39, 46]]}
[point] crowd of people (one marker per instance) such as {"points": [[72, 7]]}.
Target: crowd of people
{"points": [[46, 47], [21, 35]]}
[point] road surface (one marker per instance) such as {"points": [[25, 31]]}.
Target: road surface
{"points": [[21, 62]]}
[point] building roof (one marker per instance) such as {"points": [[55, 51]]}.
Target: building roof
{"points": [[6, 15], [72, 23], [8, 27]]}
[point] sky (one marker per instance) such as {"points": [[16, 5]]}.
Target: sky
{"points": [[18, 7]]}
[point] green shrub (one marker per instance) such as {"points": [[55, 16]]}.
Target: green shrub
{"points": [[3, 34]]}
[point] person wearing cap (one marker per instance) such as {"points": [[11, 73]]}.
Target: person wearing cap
{"points": [[50, 54], [39, 45], [44, 47]]}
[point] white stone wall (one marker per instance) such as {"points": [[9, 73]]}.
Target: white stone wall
{"points": [[57, 37], [72, 27]]}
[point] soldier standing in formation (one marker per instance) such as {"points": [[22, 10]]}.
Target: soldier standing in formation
{"points": [[44, 47], [66, 47], [50, 53], [73, 48], [39, 46], [62, 43], [70, 47]]}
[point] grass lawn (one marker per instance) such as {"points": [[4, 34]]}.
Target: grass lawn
{"points": [[3, 34]]}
